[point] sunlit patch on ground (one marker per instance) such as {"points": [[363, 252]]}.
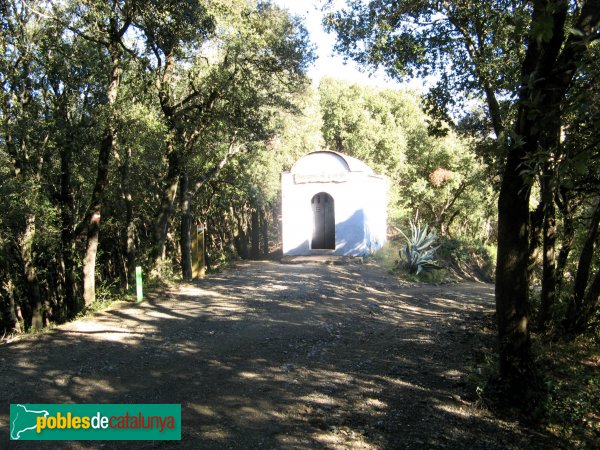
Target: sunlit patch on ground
{"points": [[278, 356]]}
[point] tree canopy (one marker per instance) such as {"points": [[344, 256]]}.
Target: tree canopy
{"points": [[105, 105]]}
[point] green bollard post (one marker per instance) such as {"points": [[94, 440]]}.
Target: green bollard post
{"points": [[138, 284]]}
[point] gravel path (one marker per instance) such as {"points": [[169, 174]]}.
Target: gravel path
{"points": [[270, 355]]}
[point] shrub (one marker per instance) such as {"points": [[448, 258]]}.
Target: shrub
{"points": [[420, 250], [468, 259]]}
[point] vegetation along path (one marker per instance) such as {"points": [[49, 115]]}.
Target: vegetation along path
{"points": [[269, 355]]}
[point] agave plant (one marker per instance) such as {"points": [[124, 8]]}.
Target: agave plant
{"points": [[419, 250]]}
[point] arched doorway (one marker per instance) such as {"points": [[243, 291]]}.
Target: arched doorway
{"points": [[324, 220]]}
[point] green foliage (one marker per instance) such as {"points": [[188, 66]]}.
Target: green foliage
{"points": [[419, 251], [471, 45], [567, 400], [573, 402], [170, 25], [437, 275], [468, 259], [236, 77], [388, 130], [389, 258], [456, 260], [106, 295]]}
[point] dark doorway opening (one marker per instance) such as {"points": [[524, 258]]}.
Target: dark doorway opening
{"points": [[324, 216]]}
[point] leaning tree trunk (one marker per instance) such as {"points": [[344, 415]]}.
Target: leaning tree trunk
{"points": [[171, 180], [171, 184], [107, 147], [93, 223]]}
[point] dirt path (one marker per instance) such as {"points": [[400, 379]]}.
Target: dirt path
{"points": [[269, 355]]}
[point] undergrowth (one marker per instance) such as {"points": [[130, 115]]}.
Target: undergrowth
{"points": [[464, 259], [457, 260], [106, 295], [572, 406], [565, 404]]}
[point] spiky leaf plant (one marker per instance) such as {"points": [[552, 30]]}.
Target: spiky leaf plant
{"points": [[420, 250]]}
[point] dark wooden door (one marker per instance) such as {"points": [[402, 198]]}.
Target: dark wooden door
{"points": [[324, 217]]}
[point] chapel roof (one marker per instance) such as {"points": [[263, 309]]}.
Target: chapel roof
{"points": [[329, 161]]}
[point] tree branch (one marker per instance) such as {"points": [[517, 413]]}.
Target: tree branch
{"points": [[216, 169]]}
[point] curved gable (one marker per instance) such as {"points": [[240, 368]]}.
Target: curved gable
{"points": [[321, 162], [328, 162]]}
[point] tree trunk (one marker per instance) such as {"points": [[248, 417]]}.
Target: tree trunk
{"points": [[512, 282], [89, 263], [241, 238], [187, 193], [14, 318], [536, 222], [167, 202], [547, 71], [130, 249], [591, 303], [575, 308], [128, 231], [67, 236], [33, 285], [185, 230], [93, 225], [264, 227], [255, 229], [171, 181], [276, 217], [568, 236], [107, 147], [548, 294]]}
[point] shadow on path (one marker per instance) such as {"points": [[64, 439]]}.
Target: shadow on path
{"points": [[276, 356]]}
